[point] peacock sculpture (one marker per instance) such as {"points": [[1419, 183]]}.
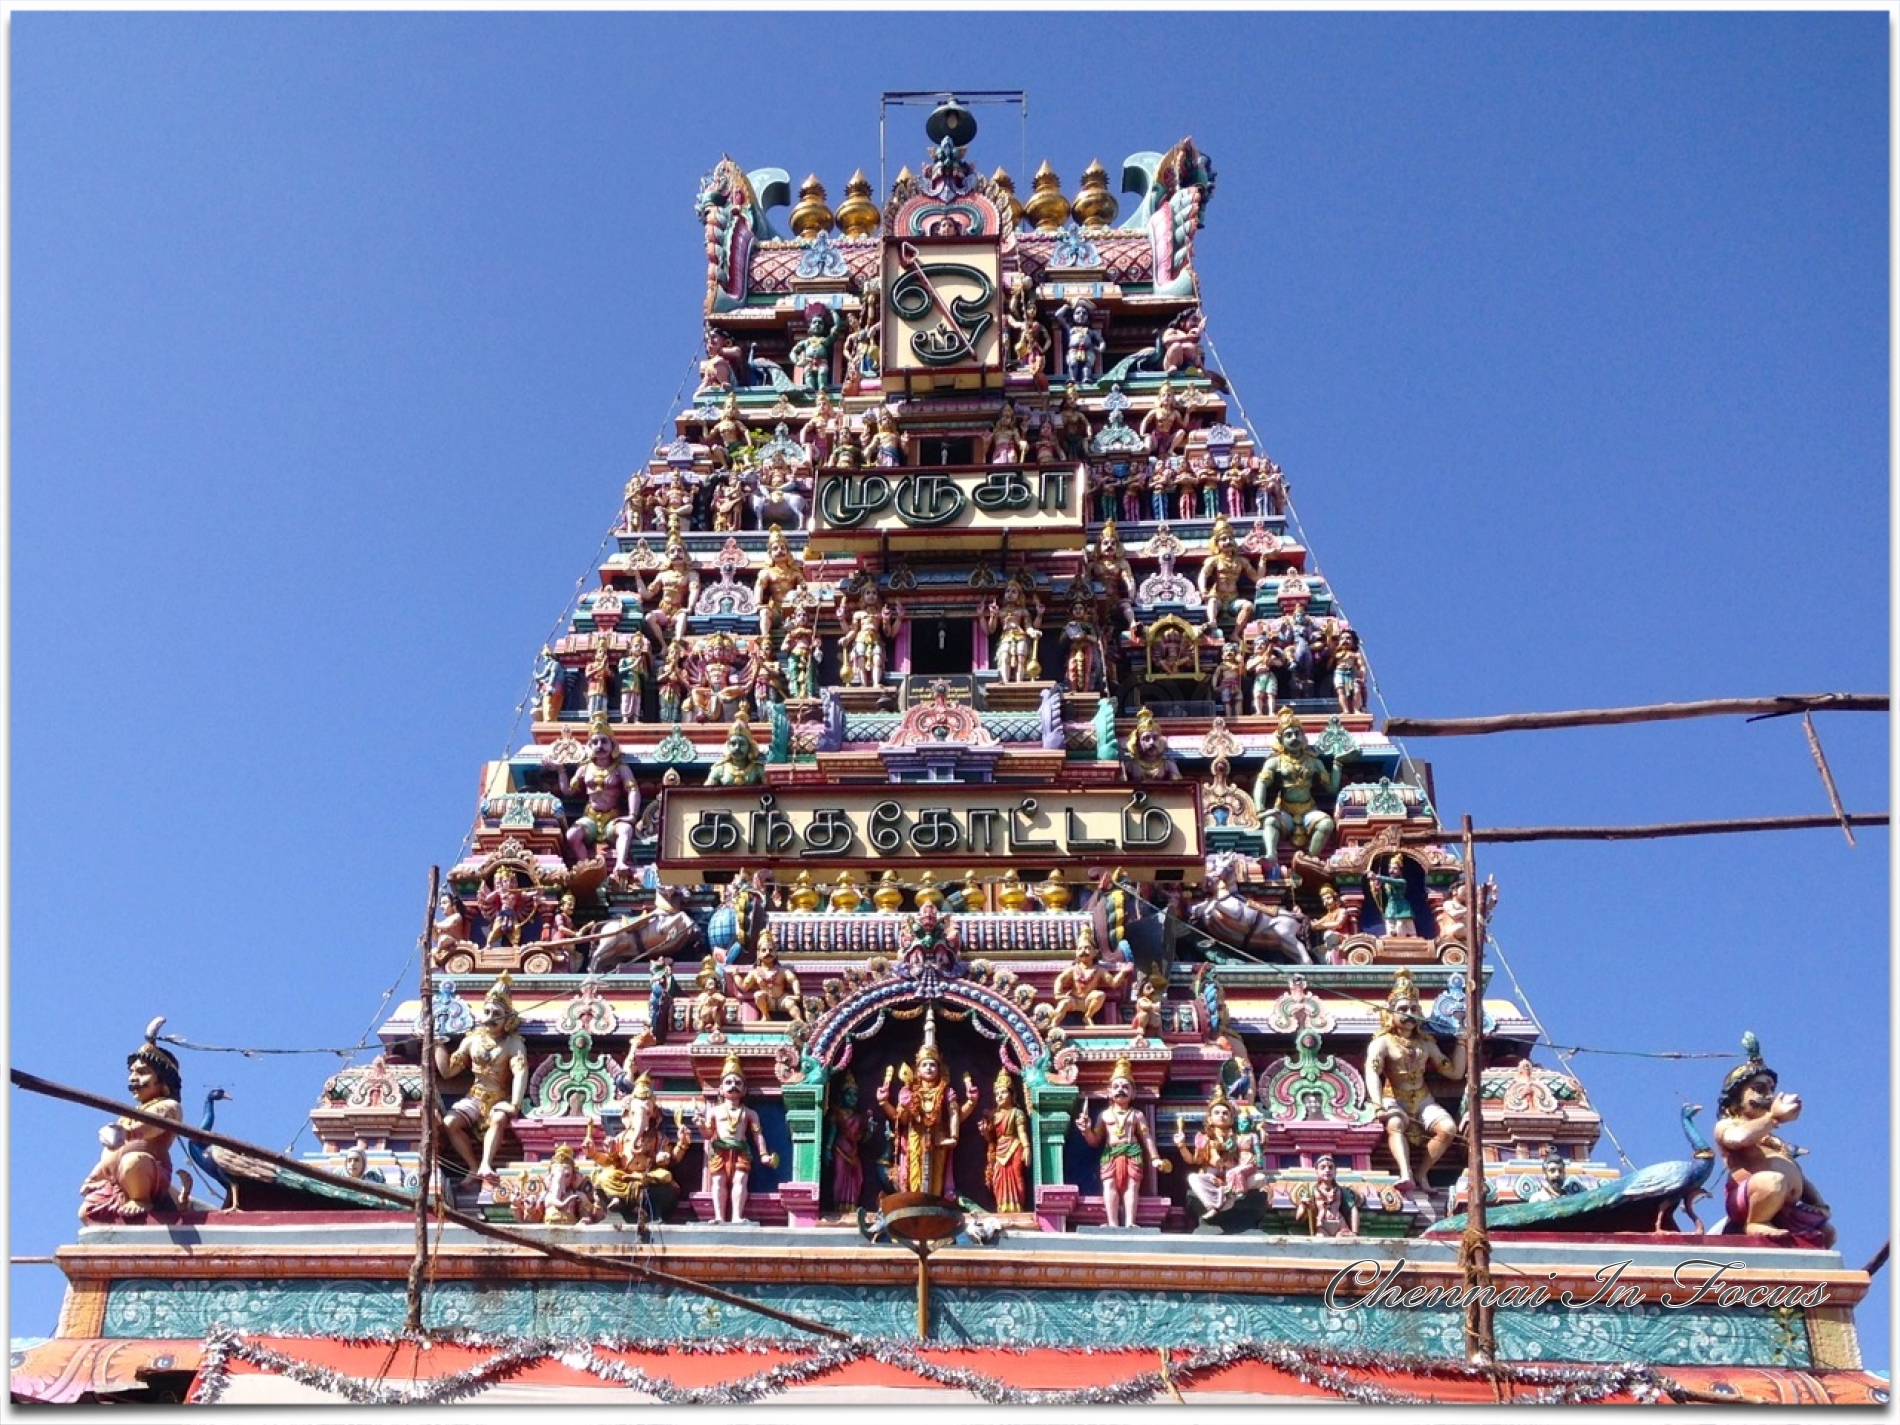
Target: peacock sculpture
{"points": [[201, 1153], [1643, 1201]]}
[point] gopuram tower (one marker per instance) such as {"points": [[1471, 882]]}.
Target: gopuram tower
{"points": [[955, 822]]}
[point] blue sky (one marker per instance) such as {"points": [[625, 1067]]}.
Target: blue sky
{"points": [[335, 336]]}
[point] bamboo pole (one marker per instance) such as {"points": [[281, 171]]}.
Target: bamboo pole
{"points": [[1499, 834], [33, 1083], [1481, 1346], [425, 1157], [1827, 776], [1653, 712]]}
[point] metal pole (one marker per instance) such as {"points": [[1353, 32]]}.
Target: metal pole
{"points": [[1480, 1338], [425, 1164]]}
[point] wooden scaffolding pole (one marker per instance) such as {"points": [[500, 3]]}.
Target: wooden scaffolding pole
{"points": [[624, 1266], [1499, 834], [1653, 712], [1474, 1250], [425, 1159]]}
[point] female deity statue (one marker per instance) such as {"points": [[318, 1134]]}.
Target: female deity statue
{"points": [[798, 647], [1006, 438], [729, 502], [1230, 678], [550, 685], [675, 679], [635, 503], [843, 1147], [1085, 664], [636, 666], [600, 677], [925, 1118], [729, 433], [134, 1171], [613, 797], [886, 447], [1005, 1133], [1016, 626]]}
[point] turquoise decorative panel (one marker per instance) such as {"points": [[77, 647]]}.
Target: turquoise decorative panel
{"points": [[984, 1316]]}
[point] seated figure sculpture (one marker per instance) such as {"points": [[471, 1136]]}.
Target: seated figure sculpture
{"points": [[493, 1053], [613, 798], [1767, 1193], [1288, 790], [134, 1172]]}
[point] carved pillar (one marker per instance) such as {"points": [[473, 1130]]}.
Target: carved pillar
{"points": [[1051, 1115]]}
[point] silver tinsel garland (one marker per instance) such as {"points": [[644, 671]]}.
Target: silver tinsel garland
{"points": [[1322, 1369]]}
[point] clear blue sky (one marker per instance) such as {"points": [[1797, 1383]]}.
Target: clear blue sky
{"points": [[335, 336]]}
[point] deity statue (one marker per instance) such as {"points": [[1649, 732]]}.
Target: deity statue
{"points": [[933, 937], [635, 501], [508, 905], [134, 1171], [1146, 754], [729, 433], [566, 1198], [1005, 1131], [1556, 1180], [450, 929], [729, 502], [1165, 427], [1106, 565], [635, 667], [862, 648], [1084, 344], [724, 360], [1264, 662], [599, 676], [1454, 916], [1085, 984], [634, 1169], [1350, 673], [1085, 661], [613, 798], [1223, 1166], [709, 1005], [1029, 343], [1006, 438], [1219, 581], [1072, 425], [773, 986], [1288, 792], [741, 766], [1330, 1210], [1127, 1146], [1767, 1194], [1269, 485], [675, 679], [1335, 921], [886, 447], [819, 434], [1230, 678], [497, 1061], [1395, 904], [843, 1145], [1397, 1061], [782, 576], [550, 685], [1181, 342], [1015, 625], [1148, 1000], [731, 1132], [798, 649], [811, 354], [675, 587], [925, 1118]]}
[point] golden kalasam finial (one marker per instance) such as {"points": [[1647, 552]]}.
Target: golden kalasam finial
{"points": [[857, 214], [1095, 206], [1007, 203], [1047, 208], [811, 217]]}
